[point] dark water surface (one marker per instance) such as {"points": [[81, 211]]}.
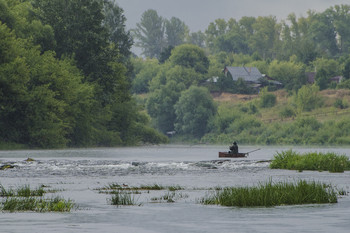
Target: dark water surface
{"points": [[77, 174]]}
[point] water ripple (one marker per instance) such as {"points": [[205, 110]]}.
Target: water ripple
{"points": [[114, 167]]}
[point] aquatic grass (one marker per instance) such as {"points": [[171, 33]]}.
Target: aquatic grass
{"points": [[122, 198], [115, 186], [271, 194], [152, 187], [314, 161], [56, 204], [22, 191], [170, 197], [175, 188], [25, 191]]}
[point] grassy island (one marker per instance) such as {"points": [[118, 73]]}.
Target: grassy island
{"points": [[26, 199], [270, 194], [310, 161]]}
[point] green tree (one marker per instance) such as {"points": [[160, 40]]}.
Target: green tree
{"points": [[323, 33], [193, 111], [17, 15], [42, 99], [307, 98], [346, 69], [265, 36], [290, 73], [150, 34], [232, 41], [147, 70], [115, 21], [326, 69], [197, 38], [175, 31], [160, 105], [190, 56], [341, 20]]}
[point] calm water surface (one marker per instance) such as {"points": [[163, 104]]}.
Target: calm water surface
{"points": [[79, 173]]}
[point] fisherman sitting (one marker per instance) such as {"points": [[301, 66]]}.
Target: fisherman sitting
{"points": [[234, 148]]}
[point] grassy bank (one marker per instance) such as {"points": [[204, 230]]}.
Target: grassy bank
{"points": [[310, 161], [271, 194]]}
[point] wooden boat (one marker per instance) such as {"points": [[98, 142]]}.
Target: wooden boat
{"points": [[232, 155]]}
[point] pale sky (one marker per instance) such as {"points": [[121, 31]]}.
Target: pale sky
{"points": [[197, 14]]}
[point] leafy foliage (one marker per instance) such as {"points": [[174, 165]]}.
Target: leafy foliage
{"points": [[63, 68], [193, 111], [267, 99]]}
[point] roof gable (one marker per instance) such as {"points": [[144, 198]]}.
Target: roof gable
{"points": [[249, 74]]}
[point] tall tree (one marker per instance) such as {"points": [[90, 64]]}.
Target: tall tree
{"points": [[190, 56], [341, 19], [160, 105], [197, 38], [322, 32], [265, 36], [114, 21], [194, 109], [176, 31], [150, 34]]}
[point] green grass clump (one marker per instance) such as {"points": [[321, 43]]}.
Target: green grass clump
{"points": [[152, 187], [22, 191], [57, 204], [122, 198], [270, 194], [310, 161], [26, 199]]}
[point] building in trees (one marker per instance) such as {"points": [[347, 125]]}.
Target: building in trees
{"points": [[248, 74], [250, 77]]}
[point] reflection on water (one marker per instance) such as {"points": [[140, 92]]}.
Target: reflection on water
{"points": [[79, 174]]}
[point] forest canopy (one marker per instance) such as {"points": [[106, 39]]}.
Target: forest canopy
{"points": [[68, 76], [63, 76]]}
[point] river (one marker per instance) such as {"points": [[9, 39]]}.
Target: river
{"points": [[79, 174]]}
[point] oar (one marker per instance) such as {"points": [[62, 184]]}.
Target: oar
{"points": [[252, 151]]}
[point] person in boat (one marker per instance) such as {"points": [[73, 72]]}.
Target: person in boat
{"points": [[234, 148]]}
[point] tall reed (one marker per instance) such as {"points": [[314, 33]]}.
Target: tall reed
{"points": [[271, 194], [122, 198], [22, 191]]}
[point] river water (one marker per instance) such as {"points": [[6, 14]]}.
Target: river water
{"points": [[79, 174]]}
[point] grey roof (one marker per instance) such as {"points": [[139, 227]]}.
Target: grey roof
{"points": [[249, 74]]}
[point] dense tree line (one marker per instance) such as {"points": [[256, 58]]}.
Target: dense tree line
{"points": [[64, 76], [175, 60], [66, 72], [319, 34]]}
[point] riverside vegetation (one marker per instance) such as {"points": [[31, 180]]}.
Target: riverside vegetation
{"points": [[267, 195], [58, 92]]}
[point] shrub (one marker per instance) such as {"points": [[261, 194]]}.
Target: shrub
{"points": [[267, 100], [286, 112]]}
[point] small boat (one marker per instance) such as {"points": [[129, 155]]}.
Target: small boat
{"points": [[232, 155]]}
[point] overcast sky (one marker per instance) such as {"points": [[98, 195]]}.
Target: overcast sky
{"points": [[197, 14]]}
